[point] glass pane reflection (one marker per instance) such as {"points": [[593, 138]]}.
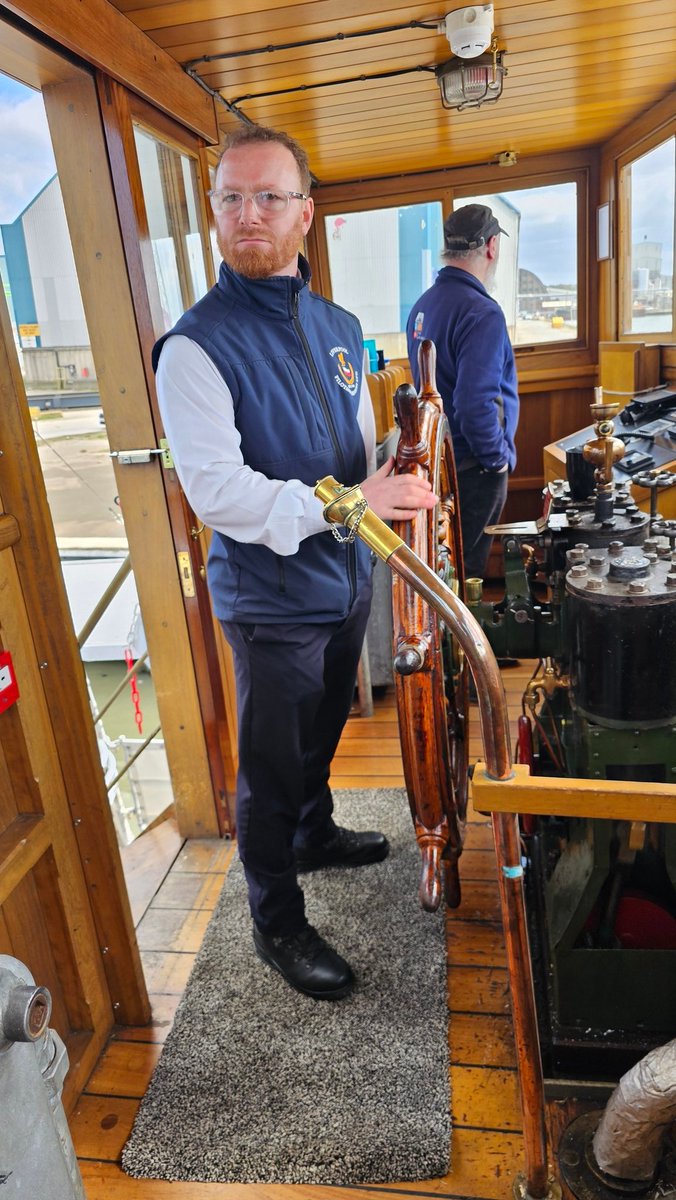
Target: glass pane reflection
{"points": [[170, 193]]}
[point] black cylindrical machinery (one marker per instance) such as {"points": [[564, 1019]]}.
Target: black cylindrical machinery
{"points": [[621, 616], [570, 522]]}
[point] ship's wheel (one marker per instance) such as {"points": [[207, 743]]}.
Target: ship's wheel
{"points": [[432, 677]]}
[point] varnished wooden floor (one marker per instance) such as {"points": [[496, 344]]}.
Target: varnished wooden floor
{"points": [[174, 887]]}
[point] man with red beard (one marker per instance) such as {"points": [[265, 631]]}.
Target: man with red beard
{"points": [[261, 393]]}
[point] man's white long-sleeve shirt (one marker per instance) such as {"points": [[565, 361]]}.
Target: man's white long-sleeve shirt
{"points": [[199, 421]]}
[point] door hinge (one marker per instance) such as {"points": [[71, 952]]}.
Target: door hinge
{"points": [[185, 571]]}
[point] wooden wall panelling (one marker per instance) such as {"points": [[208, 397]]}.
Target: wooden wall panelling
{"points": [[17, 782], [102, 36], [26, 914], [376, 389], [381, 390], [118, 110], [5, 940], [626, 368], [398, 376], [74, 119], [46, 917], [669, 365], [547, 415], [37, 626]]}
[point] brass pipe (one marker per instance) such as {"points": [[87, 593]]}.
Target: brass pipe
{"points": [[493, 715], [520, 972], [347, 507]]}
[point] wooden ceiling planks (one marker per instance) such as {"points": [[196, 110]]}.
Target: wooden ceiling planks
{"points": [[578, 71]]}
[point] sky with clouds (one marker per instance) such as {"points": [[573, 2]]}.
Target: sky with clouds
{"points": [[26, 159]]}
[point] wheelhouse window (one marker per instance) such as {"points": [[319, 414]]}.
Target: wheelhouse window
{"points": [[381, 260], [536, 282], [647, 189], [377, 254]]}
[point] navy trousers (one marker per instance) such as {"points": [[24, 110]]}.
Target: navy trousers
{"points": [[295, 687], [482, 497]]}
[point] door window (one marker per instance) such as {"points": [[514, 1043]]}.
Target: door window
{"points": [[170, 193]]}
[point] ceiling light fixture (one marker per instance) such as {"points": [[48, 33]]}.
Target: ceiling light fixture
{"points": [[470, 84]]}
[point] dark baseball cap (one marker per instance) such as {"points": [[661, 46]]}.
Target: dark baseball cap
{"points": [[470, 227]]}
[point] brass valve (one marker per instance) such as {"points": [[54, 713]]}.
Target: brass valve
{"points": [[605, 450]]}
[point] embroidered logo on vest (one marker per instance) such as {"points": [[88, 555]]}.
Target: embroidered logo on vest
{"points": [[347, 377]]}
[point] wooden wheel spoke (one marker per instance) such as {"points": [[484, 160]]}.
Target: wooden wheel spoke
{"points": [[432, 684]]}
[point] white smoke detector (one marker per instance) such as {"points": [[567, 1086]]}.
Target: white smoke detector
{"points": [[469, 30]]}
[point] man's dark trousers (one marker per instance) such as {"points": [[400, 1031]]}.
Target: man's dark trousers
{"points": [[482, 496], [295, 687]]}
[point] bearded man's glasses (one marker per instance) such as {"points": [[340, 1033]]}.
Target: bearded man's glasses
{"points": [[267, 203]]}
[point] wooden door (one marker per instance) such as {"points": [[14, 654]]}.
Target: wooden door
{"points": [[110, 278], [63, 903], [136, 134]]}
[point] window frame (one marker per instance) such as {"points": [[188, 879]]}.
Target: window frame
{"points": [[162, 128], [445, 186], [623, 238], [169, 146]]}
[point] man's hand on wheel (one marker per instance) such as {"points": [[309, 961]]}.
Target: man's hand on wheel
{"points": [[397, 497]]}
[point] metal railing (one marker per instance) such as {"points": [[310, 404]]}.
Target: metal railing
{"points": [[100, 608]]}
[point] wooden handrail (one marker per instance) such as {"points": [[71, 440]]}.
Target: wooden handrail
{"points": [[598, 799]]}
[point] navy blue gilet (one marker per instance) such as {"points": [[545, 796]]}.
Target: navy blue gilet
{"points": [[292, 362]]}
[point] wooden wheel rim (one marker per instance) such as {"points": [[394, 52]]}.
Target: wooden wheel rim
{"points": [[432, 694]]}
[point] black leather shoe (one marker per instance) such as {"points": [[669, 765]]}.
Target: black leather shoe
{"points": [[347, 848], [307, 963]]}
